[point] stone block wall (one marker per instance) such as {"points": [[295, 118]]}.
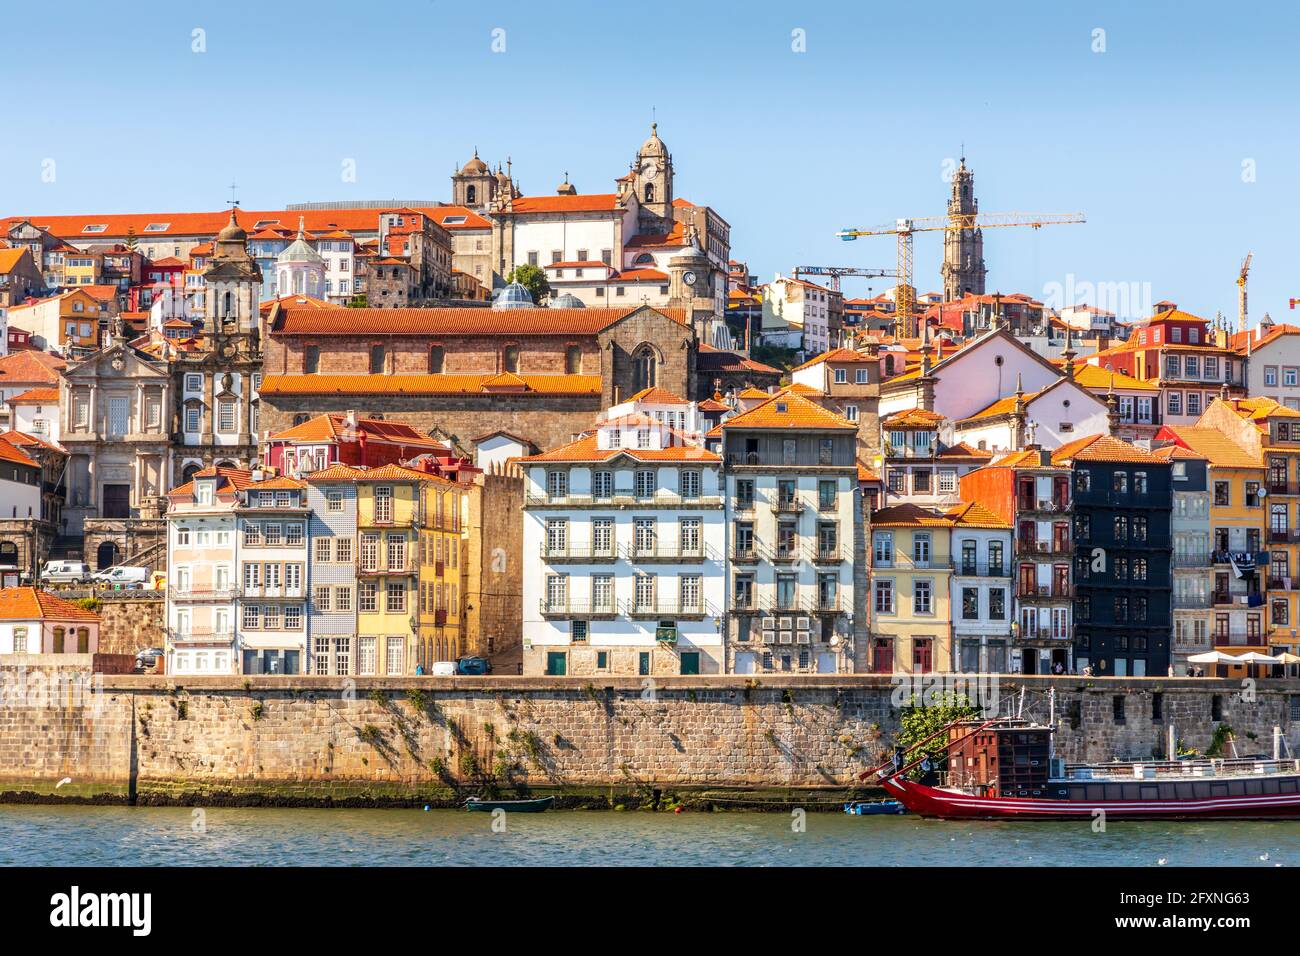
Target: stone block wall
{"points": [[369, 740]]}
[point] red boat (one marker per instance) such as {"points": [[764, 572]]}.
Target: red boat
{"points": [[1002, 769]]}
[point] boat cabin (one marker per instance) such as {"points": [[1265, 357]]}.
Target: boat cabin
{"points": [[1007, 760]]}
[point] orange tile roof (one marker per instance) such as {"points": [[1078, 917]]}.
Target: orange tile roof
{"points": [[1097, 379], [36, 396], [24, 440], [294, 319], [9, 259], [33, 604], [837, 355], [913, 418], [15, 455], [279, 483], [963, 450], [865, 473], [1003, 406], [752, 392], [424, 385], [713, 405], [909, 515], [975, 515], [329, 426], [210, 223], [1177, 452], [584, 449], [639, 275], [235, 480], [336, 472], [472, 219], [657, 396], [1103, 448], [30, 366], [1214, 446], [788, 409], [594, 202], [393, 472]]}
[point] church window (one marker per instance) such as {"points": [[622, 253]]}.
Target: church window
{"points": [[649, 192], [607, 256], [471, 195], [436, 356], [228, 301], [644, 368], [376, 359], [510, 358], [311, 359], [645, 259], [573, 360]]}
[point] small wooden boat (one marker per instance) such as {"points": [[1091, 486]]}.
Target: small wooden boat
{"points": [[865, 808], [535, 805]]}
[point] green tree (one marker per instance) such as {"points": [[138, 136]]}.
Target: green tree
{"points": [[918, 722], [358, 301], [130, 238], [533, 279]]}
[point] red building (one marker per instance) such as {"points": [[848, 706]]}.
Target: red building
{"points": [[361, 442]]}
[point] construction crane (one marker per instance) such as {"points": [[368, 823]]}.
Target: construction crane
{"points": [[1241, 292], [836, 272], [905, 229]]}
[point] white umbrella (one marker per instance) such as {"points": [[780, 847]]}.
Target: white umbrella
{"points": [[1254, 657], [1213, 657]]}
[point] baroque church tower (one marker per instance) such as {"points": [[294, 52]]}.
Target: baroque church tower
{"points": [[963, 249], [652, 177]]}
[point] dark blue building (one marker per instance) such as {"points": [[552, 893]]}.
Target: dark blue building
{"points": [[1123, 499]]}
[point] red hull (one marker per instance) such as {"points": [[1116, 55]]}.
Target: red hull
{"points": [[948, 805]]}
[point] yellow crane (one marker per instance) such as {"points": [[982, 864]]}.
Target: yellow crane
{"points": [[905, 229], [1241, 292]]}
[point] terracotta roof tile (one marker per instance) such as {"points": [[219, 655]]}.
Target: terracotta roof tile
{"points": [[789, 410], [33, 604], [913, 418], [36, 396], [837, 355], [294, 319], [657, 396], [584, 449], [1214, 446], [30, 367], [1103, 448]]}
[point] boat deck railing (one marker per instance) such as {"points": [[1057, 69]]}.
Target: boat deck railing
{"points": [[1170, 769]]}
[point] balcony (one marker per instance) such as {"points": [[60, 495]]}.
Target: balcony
{"points": [[577, 554], [980, 569], [203, 594], [1237, 638], [1235, 599], [200, 637], [667, 608], [666, 553], [1281, 536], [790, 506], [276, 594], [1283, 584], [750, 555], [786, 555], [1200, 559], [578, 609], [1045, 592], [1062, 546], [1259, 558], [374, 570], [830, 555], [1283, 488], [1043, 505]]}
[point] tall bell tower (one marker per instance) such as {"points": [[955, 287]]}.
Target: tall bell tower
{"points": [[963, 249], [653, 180]]}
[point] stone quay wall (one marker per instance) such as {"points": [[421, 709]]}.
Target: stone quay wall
{"points": [[67, 734]]}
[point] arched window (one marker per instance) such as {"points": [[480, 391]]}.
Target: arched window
{"points": [[228, 303], [189, 471], [644, 368], [436, 356], [471, 195], [649, 192], [645, 259], [83, 640], [300, 418], [510, 358], [106, 555], [58, 640], [573, 360], [889, 365]]}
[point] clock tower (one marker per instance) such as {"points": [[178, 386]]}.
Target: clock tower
{"points": [[652, 174], [690, 288]]}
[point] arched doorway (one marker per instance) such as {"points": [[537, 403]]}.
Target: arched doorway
{"points": [[8, 554], [106, 555]]}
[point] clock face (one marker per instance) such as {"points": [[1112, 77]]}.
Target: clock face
{"points": [[689, 278], [648, 168]]}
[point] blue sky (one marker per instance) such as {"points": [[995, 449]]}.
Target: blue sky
{"points": [[1147, 138]]}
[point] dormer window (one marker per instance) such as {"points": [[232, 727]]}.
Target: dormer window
{"points": [[643, 438], [616, 438], [203, 493]]}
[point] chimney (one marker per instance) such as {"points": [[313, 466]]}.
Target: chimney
{"points": [[350, 418]]}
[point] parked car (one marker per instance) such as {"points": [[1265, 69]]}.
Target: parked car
{"points": [[122, 577], [443, 668], [148, 658], [65, 572], [473, 666]]}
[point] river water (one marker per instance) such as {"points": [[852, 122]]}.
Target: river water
{"points": [[148, 836]]}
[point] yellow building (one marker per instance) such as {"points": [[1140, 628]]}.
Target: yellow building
{"points": [[910, 610], [389, 507], [1271, 432], [1237, 524], [82, 268], [444, 560]]}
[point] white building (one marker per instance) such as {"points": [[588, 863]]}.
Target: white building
{"points": [[794, 520], [300, 269], [1272, 355], [624, 546], [33, 621], [1052, 416], [981, 598], [36, 412], [272, 624], [817, 312]]}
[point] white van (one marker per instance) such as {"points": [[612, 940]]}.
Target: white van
{"points": [[65, 572], [443, 669], [122, 577]]}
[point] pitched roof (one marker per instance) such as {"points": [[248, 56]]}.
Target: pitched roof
{"points": [[33, 604], [975, 515], [30, 366], [15, 455], [23, 440], [329, 427], [585, 449], [654, 395], [837, 355], [710, 359], [362, 219], [231, 479], [1095, 378], [913, 418], [295, 319], [36, 396], [1103, 448], [336, 472], [788, 409], [908, 515], [1215, 446], [424, 385], [591, 202], [9, 259]]}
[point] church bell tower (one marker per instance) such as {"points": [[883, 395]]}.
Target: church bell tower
{"points": [[963, 249]]}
